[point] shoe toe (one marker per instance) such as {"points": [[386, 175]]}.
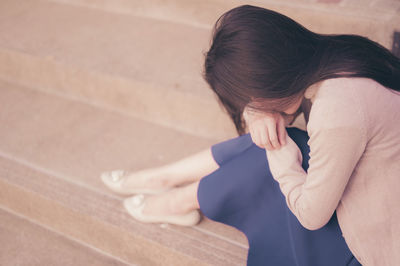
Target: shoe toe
{"points": [[105, 177], [112, 178], [134, 205], [116, 175], [136, 201]]}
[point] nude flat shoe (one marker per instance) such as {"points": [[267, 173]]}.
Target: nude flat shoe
{"points": [[114, 180], [135, 205]]}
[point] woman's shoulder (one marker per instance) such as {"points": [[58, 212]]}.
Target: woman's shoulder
{"points": [[340, 88], [355, 103], [339, 102], [342, 94]]}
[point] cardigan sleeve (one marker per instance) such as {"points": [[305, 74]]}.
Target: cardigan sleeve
{"points": [[337, 141]]}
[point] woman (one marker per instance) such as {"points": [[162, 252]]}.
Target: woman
{"points": [[266, 69]]}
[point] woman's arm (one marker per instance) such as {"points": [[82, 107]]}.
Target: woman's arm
{"points": [[314, 196], [337, 141]]}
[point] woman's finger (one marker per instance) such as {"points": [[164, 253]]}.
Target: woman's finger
{"points": [[273, 134], [282, 134], [255, 137], [265, 140], [252, 134]]}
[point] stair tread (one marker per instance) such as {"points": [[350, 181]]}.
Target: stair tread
{"points": [[57, 147], [25, 243], [137, 65], [121, 45]]}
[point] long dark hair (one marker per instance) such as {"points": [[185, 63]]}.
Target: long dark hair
{"points": [[258, 54]]}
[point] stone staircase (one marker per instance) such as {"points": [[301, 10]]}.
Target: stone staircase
{"points": [[90, 86]]}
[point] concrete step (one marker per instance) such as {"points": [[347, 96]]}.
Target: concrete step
{"points": [[376, 19], [144, 58], [52, 151], [26, 243], [143, 67]]}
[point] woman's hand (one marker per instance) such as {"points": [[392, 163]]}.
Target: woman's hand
{"points": [[267, 130], [288, 157]]}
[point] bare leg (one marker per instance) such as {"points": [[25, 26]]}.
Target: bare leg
{"points": [[186, 170], [180, 200]]}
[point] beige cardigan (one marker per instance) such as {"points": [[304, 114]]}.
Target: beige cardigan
{"points": [[354, 167]]}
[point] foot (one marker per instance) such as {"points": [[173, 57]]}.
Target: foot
{"points": [[153, 179], [172, 202], [158, 209], [149, 181]]}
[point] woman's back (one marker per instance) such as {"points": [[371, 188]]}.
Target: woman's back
{"points": [[367, 115]]}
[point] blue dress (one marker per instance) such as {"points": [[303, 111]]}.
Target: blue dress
{"points": [[242, 193]]}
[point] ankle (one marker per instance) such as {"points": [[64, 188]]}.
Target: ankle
{"points": [[180, 201], [168, 177]]}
